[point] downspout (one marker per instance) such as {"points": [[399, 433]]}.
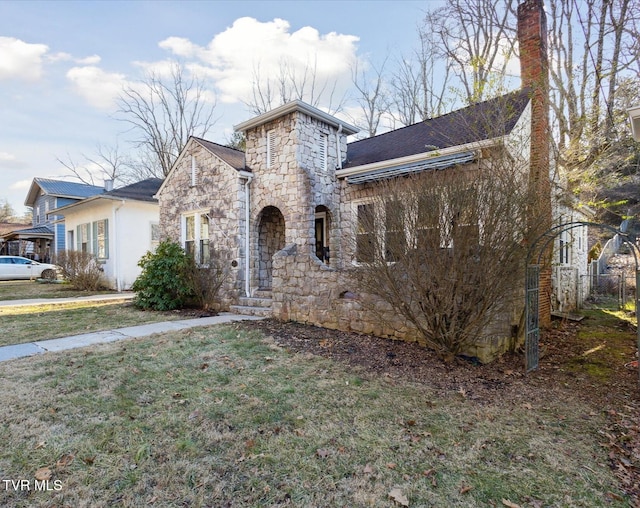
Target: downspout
{"points": [[247, 244], [116, 259], [338, 154]]}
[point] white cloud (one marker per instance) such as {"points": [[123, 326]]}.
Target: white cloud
{"points": [[179, 46], [21, 60], [21, 185], [89, 60], [250, 48], [99, 88], [10, 161]]}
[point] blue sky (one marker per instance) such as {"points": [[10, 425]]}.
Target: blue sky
{"points": [[63, 63]]}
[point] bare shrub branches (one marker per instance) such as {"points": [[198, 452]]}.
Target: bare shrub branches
{"points": [[445, 249], [81, 270]]}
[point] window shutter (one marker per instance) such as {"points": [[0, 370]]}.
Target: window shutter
{"points": [[271, 149], [194, 172], [78, 238], [322, 152], [94, 238], [106, 238]]}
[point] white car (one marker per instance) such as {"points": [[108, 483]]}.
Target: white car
{"points": [[17, 267]]}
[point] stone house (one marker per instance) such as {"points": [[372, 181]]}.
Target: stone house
{"points": [[286, 209]]}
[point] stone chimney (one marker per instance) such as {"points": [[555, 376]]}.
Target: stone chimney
{"points": [[534, 69]]}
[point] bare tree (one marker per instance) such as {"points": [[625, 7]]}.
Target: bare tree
{"points": [[164, 112], [292, 82], [477, 37], [108, 163], [420, 83], [372, 96], [593, 45]]}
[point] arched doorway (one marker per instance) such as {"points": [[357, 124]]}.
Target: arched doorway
{"points": [[321, 234], [271, 239]]}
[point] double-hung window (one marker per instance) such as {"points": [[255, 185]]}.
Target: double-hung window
{"points": [[101, 239], [82, 237], [366, 244], [196, 237], [93, 237]]}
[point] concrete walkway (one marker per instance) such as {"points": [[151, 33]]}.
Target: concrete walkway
{"points": [[89, 339]]}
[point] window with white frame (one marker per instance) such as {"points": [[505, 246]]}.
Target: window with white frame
{"points": [[155, 236], [92, 237], [101, 238], [271, 149], [82, 237], [366, 241], [564, 243], [395, 239], [422, 225], [195, 228]]}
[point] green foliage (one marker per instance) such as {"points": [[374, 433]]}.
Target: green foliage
{"points": [[164, 282]]}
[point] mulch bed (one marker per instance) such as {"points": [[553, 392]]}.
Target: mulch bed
{"points": [[503, 381]]}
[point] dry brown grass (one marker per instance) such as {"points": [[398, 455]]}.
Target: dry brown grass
{"points": [[25, 289], [41, 322], [222, 416]]}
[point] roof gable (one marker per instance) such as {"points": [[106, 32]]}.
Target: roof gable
{"points": [[301, 107], [234, 158], [230, 156], [486, 120]]}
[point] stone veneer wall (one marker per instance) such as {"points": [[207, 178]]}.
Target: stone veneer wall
{"points": [[219, 192], [307, 291], [296, 185]]}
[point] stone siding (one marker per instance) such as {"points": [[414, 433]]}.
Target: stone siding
{"points": [[219, 193], [307, 291]]}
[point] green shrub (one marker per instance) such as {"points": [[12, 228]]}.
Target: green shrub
{"points": [[164, 283], [81, 270]]}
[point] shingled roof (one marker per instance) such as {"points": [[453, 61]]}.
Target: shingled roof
{"points": [[144, 190], [235, 158], [485, 120]]}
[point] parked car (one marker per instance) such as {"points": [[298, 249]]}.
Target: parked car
{"points": [[17, 267]]}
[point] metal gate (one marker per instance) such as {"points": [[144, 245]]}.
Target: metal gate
{"points": [[532, 325], [532, 286]]}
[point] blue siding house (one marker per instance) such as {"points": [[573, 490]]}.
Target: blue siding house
{"points": [[46, 235]]}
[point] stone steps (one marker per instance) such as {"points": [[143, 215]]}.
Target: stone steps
{"points": [[259, 305]]}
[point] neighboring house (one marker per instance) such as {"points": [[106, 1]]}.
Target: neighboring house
{"points": [[11, 247], [286, 210], [46, 236], [118, 227], [570, 272]]}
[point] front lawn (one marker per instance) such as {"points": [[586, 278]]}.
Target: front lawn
{"points": [[224, 416], [26, 289], [41, 322]]}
